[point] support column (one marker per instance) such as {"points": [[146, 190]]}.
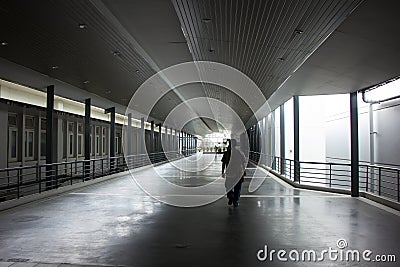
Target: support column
{"points": [[171, 140], [129, 134], [186, 143], [176, 141], [282, 137], [166, 148], [272, 141], [371, 181], [87, 136], [112, 135], [151, 137], [159, 150], [257, 145], [142, 140], [49, 135], [354, 145], [179, 141], [296, 139]]}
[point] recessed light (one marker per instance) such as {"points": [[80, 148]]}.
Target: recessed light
{"points": [[54, 67], [298, 31], [206, 20], [116, 53], [281, 59], [82, 26], [4, 43], [108, 92], [86, 82], [137, 71], [211, 50]]}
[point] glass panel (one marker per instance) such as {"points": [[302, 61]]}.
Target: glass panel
{"points": [[71, 144], [97, 144], [79, 144], [43, 144], [25, 144], [30, 144], [13, 144], [43, 124]]}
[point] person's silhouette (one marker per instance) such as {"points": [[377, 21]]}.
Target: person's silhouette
{"points": [[225, 158], [235, 172]]}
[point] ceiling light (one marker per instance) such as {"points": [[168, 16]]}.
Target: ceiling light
{"points": [[82, 26], [4, 43], [382, 92], [211, 50], [116, 53], [54, 67], [86, 82], [281, 59], [108, 92], [137, 71], [206, 20], [298, 31]]}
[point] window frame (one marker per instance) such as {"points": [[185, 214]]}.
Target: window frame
{"points": [[10, 130], [26, 144]]}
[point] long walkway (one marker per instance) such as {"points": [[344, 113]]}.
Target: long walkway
{"points": [[115, 223]]}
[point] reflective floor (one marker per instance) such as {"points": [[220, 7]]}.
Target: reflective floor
{"points": [[116, 223]]}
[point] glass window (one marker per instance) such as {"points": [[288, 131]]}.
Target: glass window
{"points": [[80, 139], [43, 143], [97, 140], [29, 144], [13, 143], [104, 140], [70, 136], [80, 144]]}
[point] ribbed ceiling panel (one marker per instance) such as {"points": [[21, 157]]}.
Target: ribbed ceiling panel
{"points": [[267, 40]]}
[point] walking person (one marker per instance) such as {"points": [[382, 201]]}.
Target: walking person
{"points": [[235, 172], [225, 158]]}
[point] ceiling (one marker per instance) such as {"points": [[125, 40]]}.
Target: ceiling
{"points": [[110, 47]]}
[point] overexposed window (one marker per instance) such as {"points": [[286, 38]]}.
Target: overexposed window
{"points": [[71, 139], [104, 140], [29, 144], [13, 144], [80, 139], [43, 138], [97, 140], [29, 135]]}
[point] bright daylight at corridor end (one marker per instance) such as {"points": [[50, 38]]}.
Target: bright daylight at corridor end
{"points": [[199, 133]]}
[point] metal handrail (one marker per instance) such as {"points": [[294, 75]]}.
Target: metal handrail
{"points": [[375, 179], [25, 180]]}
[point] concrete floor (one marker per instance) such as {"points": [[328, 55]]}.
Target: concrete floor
{"points": [[115, 223]]}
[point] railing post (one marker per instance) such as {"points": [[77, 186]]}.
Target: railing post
{"points": [[93, 169], [299, 173], [56, 176], [71, 168], [102, 166], [40, 178], [37, 175], [71, 171], [18, 181], [330, 175], [380, 180], [398, 185], [85, 170], [290, 169], [366, 179]]}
